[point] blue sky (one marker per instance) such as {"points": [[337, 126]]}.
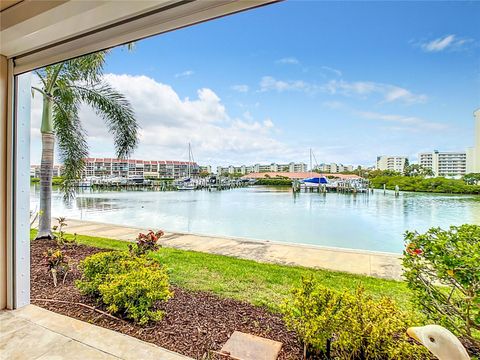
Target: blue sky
{"points": [[352, 80]]}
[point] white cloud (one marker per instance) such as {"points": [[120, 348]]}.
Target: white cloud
{"points": [[447, 42], [402, 122], [288, 60], [390, 93], [332, 70], [185, 73], [169, 122], [268, 83], [242, 88]]}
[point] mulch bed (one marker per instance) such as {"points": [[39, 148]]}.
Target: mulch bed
{"points": [[194, 324]]}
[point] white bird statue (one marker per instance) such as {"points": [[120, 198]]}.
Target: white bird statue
{"points": [[439, 341]]}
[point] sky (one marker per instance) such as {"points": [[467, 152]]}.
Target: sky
{"points": [[350, 80]]}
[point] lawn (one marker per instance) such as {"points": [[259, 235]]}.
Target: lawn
{"points": [[247, 280]]}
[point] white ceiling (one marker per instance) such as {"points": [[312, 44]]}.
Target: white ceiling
{"points": [[36, 33]]}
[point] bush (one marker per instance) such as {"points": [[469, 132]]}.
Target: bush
{"points": [[375, 329], [135, 293], [418, 183], [146, 242], [314, 313], [442, 267], [128, 285], [267, 181], [335, 325]]}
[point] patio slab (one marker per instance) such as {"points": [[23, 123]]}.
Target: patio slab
{"points": [[371, 263], [35, 333]]}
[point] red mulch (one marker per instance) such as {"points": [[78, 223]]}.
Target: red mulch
{"points": [[195, 322]]}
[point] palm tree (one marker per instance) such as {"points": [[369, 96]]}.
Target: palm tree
{"points": [[64, 86]]}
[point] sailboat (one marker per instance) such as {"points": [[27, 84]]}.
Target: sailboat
{"points": [[314, 180], [187, 183]]}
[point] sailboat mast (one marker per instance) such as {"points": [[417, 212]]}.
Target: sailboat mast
{"points": [[311, 168], [189, 158]]}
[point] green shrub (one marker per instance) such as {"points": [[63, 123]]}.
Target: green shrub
{"points": [[335, 325], [135, 293], [97, 268], [442, 267], [267, 181], [314, 313], [128, 285], [375, 329], [418, 183]]}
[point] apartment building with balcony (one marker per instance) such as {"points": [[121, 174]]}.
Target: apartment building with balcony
{"points": [[334, 168], [392, 163], [35, 171], [158, 169], [445, 163], [258, 168]]}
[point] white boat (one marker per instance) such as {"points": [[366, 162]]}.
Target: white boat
{"points": [[187, 183]]}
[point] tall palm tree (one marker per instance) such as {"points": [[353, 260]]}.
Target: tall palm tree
{"points": [[64, 87]]}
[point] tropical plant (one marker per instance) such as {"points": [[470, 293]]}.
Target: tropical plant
{"points": [[57, 264], [62, 238], [146, 242], [64, 87], [443, 269]]}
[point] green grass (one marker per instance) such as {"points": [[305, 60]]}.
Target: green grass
{"points": [[251, 281]]}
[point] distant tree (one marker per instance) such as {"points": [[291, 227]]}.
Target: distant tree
{"points": [[472, 178], [204, 174], [417, 170]]}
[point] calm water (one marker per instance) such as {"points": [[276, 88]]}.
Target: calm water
{"points": [[371, 222]]}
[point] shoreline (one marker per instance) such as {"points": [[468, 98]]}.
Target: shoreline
{"points": [[363, 262]]}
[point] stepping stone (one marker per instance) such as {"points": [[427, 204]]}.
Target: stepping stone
{"points": [[241, 346]]}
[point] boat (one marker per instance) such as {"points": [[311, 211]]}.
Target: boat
{"points": [[315, 180], [187, 183]]}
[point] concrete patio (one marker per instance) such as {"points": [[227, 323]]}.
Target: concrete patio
{"points": [[35, 333], [378, 264]]}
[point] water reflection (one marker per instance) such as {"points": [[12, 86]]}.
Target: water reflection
{"points": [[373, 222]]}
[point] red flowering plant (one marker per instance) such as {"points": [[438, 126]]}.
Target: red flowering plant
{"points": [[442, 268], [146, 242]]}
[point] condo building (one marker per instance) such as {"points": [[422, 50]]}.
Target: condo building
{"points": [[258, 168], [442, 163], [393, 163], [158, 169], [473, 153], [334, 168], [35, 171]]}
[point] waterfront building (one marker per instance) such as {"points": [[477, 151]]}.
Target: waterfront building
{"points": [[260, 168], [157, 169], [442, 163], [473, 153], [35, 171], [393, 163], [206, 169], [334, 168]]}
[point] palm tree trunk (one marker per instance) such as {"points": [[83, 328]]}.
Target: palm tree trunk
{"points": [[46, 170]]}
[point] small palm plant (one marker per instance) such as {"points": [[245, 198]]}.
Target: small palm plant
{"points": [[64, 87]]}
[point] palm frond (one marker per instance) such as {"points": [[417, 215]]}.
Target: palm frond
{"points": [[71, 139], [86, 69], [117, 112]]}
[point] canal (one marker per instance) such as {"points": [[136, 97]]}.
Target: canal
{"points": [[369, 222]]}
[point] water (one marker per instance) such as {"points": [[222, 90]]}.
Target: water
{"points": [[370, 222]]}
